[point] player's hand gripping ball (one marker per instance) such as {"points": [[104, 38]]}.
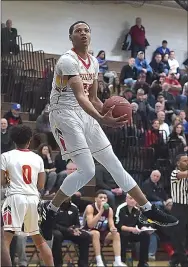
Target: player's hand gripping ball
{"points": [[122, 107]]}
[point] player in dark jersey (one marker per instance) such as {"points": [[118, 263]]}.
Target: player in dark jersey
{"points": [[5, 257], [99, 220]]}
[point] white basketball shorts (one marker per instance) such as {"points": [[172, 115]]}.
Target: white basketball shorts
{"points": [[75, 131], [20, 213]]}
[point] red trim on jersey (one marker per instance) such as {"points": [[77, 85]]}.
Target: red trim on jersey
{"points": [[24, 149], [82, 60]]}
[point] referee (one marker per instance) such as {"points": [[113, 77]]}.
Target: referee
{"points": [[179, 193]]}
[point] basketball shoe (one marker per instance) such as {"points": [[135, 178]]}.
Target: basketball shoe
{"points": [[158, 217]]}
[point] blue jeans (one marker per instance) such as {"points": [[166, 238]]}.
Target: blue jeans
{"points": [[182, 101], [153, 244]]}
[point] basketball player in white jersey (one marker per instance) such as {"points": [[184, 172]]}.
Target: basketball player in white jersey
{"points": [[25, 172], [74, 118]]}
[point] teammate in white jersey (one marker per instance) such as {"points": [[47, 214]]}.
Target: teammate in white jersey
{"points": [[74, 118], [25, 172]]}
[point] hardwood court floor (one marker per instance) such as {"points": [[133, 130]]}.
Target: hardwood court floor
{"points": [[151, 264]]}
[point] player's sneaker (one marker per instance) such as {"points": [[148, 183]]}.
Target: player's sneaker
{"points": [[158, 216], [47, 221], [120, 264]]}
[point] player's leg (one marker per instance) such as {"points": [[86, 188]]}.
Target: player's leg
{"points": [[31, 228], [116, 243], [103, 153], [44, 250], [95, 235], [68, 130], [5, 256]]}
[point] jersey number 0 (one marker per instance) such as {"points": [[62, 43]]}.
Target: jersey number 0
{"points": [[26, 172]]}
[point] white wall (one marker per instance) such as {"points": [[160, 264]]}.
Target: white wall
{"points": [[46, 24]]}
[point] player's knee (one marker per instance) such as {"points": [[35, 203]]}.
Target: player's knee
{"points": [[95, 234], [89, 171]]}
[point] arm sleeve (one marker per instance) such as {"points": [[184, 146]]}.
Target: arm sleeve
{"points": [[3, 163], [119, 222], [41, 165], [67, 65], [137, 65]]}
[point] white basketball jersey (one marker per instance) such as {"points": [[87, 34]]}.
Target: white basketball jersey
{"points": [[22, 168], [71, 64]]}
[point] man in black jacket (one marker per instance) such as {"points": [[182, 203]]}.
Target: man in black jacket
{"points": [[157, 66], [128, 73], [131, 230], [153, 189], [67, 227]]}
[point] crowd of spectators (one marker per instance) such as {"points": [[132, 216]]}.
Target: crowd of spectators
{"points": [[158, 93]]}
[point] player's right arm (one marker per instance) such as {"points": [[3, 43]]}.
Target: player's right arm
{"points": [[90, 218], [70, 70], [41, 176], [4, 178]]}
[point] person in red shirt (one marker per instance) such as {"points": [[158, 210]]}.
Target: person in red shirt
{"points": [[175, 86], [137, 33]]}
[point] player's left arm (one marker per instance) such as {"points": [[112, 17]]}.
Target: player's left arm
{"points": [[94, 98]]}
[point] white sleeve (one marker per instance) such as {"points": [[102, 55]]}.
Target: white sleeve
{"points": [[67, 65], [41, 165], [3, 162], [96, 68]]}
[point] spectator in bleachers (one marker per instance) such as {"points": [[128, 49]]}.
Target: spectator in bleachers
{"points": [[156, 86], [141, 83], [116, 87], [184, 121], [103, 91], [136, 118], [143, 66], [178, 136], [103, 67], [138, 38], [158, 107], [13, 116], [168, 109], [6, 142], [164, 128], [129, 226], [128, 94], [154, 190], [67, 227], [176, 120], [169, 98], [43, 130], [165, 59], [175, 86], [3, 25], [91, 52], [128, 74], [163, 50], [174, 65], [8, 39], [153, 135], [99, 220], [45, 152], [105, 182], [157, 66], [144, 108]]}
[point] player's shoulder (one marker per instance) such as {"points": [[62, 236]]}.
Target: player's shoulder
{"points": [[94, 59], [68, 56]]}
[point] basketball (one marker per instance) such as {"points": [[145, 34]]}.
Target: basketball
{"points": [[122, 107]]}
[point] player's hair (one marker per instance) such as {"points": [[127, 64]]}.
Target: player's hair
{"points": [[40, 148], [100, 192], [71, 29], [21, 135]]}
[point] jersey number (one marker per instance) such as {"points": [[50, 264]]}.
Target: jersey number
{"points": [[26, 172]]}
